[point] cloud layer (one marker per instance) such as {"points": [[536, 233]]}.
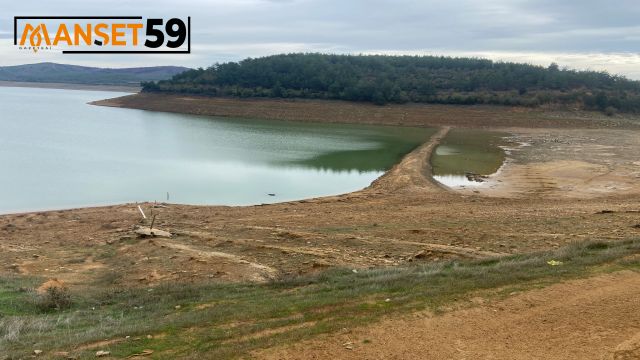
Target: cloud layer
{"points": [[592, 34]]}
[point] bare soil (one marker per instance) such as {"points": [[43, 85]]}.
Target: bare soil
{"points": [[558, 163], [593, 318]]}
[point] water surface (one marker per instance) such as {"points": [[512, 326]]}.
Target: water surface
{"points": [[465, 151], [56, 151]]}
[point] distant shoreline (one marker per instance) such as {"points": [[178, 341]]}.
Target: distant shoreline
{"points": [[340, 111], [66, 86]]}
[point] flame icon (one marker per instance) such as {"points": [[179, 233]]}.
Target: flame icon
{"points": [[36, 37], [37, 34]]}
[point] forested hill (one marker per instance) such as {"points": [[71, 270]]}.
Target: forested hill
{"points": [[400, 79], [73, 74]]}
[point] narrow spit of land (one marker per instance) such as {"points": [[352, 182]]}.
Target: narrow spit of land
{"points": [[67, 86]]}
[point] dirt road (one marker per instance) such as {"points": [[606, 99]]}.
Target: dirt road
{"points": [[594, 318]]}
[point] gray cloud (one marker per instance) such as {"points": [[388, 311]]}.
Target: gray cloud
{"points": [[231, 30]]}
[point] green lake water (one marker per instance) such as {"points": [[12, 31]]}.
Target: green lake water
{"points": [[467, 151], [56, 151]]}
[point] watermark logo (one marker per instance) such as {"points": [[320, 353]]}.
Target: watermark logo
{"points": [[102, 34]]}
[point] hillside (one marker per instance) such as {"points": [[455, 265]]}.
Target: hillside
{"points": [[73, 74], [401, 79]]}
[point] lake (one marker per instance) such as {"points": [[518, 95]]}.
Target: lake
{"points": [[56, 152]]}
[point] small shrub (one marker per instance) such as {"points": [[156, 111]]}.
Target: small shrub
{"points": [[610, 111], [598, 245], [54, 298]]}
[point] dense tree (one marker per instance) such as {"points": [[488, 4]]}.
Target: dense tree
{"points": [[400, 79]]}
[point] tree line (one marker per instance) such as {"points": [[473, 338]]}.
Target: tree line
{"points": [[384, 79]]}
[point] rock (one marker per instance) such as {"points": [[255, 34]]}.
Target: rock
{"points": [[145, 352], [475, 177], [289, 235], [348, 345], [628, 350], [320, 264], [9, 228], [14, 267], [101, 353], [146, 232], [477, 300], [37, 352]]}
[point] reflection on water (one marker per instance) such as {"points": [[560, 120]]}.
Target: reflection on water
{"points": [[58, 152], [386, 149], [456, 181], [466, 152]]}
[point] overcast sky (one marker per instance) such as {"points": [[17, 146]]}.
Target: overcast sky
{"points": [[583, 34]]}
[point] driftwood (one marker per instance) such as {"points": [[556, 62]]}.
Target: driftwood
{"points": [[149, 232], [142, 212]]}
